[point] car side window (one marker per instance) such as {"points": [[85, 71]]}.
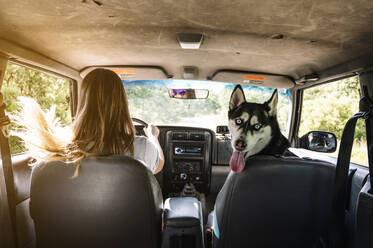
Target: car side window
{"points": [[45, 88], [328, 107]]}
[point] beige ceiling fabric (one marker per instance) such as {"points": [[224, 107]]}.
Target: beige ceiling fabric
{"points": [[290, 37]]}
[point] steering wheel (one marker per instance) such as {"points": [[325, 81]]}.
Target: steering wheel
{"points": [[140, 122]]}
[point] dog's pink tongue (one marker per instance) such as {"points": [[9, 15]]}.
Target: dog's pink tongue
{"points": [[237, 162]]}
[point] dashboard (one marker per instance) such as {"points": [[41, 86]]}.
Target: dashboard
{"points": [[188, 159], [189, 155]]}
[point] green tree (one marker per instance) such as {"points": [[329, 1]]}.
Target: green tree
{"points": [[46, 89], [328, 107]]}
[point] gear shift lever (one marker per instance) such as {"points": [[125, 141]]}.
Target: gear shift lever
{"points": [[189, 190]]}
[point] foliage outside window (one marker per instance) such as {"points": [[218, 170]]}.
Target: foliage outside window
{"points": [[46, 89], [328, 107]]}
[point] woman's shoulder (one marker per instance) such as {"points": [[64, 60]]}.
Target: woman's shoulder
{"points": [[140, 140]]}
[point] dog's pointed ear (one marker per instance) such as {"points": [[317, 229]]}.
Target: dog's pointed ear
{"points": [[272, 104], [237, 97]]}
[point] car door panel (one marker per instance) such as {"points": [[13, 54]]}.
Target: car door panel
{"points": [[364, 220], [357, 181]]}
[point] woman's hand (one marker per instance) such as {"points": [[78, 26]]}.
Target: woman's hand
{"points": [[151, 131]]}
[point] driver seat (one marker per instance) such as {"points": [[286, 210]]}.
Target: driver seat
{"points": [[115, 201], [274, 202]]}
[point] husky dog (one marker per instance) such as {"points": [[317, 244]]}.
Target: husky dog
{"points": [[254, 128]]}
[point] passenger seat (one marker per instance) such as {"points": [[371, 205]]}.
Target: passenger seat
{"points": [[274, 202]]}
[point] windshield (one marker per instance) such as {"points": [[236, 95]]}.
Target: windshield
{"points": [[150, 101]]}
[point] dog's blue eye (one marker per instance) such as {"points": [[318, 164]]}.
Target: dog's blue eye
{"points": [[238, 121], [257, 126]]}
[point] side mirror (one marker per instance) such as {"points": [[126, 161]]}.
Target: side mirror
{"points": [[222, 129], [319, 141]]}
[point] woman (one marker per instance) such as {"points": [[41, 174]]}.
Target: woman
{"points": [[102, 126]]}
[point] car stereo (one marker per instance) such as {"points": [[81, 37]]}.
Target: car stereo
{"points": [[187, 150]]}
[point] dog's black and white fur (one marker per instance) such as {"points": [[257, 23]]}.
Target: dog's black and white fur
{"points": [[254, 128]]}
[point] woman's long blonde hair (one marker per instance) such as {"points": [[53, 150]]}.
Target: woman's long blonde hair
{"points": [[102, 124]]}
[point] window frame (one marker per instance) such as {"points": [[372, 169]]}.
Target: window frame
{"points": [[299, 108], [73, 85]]}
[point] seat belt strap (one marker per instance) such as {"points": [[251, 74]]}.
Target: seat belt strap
{"points": [[340, 191], [6, 226], [366, 104], [7, 187]]}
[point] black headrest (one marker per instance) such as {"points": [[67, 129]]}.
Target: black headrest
{"points": [[114, 202], [275, 202]]}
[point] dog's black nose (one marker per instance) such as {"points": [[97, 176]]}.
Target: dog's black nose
{"points": [[240, 144]]}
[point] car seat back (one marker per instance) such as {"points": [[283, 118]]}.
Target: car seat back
{"points": [[115, 201], [275, 202]]}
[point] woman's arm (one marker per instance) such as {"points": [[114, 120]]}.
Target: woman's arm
{"points": [[153, 132]]}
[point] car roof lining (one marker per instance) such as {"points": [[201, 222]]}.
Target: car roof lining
{"points": [[294, 38]]}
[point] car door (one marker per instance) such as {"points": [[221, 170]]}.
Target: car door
{"points": [[47, 90], [328, 107]]}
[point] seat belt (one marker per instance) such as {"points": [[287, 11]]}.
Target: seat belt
{"points": [[7, 188], [368, 106], [340, 192]]}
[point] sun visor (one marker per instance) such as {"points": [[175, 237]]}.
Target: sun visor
{"points": [[133, 72], [255, 79]]}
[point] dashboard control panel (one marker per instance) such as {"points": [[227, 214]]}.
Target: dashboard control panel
{"points": [[188, 159]]}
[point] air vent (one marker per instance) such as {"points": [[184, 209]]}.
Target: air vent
{"points": [[179, 136], [196, 136]]}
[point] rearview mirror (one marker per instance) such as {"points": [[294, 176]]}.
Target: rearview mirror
{"points": [[188, 93], [319, 141]]}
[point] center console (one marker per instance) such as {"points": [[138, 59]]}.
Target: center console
{"points": [[188, 159], [183, 223]]}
